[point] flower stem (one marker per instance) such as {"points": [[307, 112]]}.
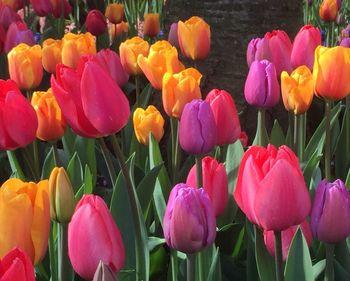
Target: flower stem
{"points": [[278, 256], [65, 272], [191, 267], [199, 171], [174, 124], [299, 133], [137, 86], [55, 153], [261, 137], [15, 167], [108, 160], [329, 272], [347, 126], [52, 254], [327, 152], [174, 265]]}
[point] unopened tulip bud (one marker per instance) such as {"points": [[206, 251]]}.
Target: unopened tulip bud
{"points": [[258, 49], [329, 10], [115, 13], [151, 26], [95, 23]]}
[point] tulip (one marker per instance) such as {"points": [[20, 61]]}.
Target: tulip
{"points": [[261, 87], [110, 61], [281, 49], [162, 58], [95, 22], [122, 27], [329, 10], [42, 7], [215, 183], [151, 25], [287, 237], [7, 16], [194, 38], [297, 89], [16, 265], [104, 273], [189, 220], [258, 49], [17, 33], [129, 51], [19, 122], [115, 13], [197, 128], [270, 188], [172, 37], [330, 216], [91, 102], [345, 42], [51, 123], [331, 72], [92, 222], [304, 45], [226, 117], [76, 45], [51, 54], [243, 137], [146, 122], [24, 217], [14, 4], [179, 89], [57, 8], [25, 66]]}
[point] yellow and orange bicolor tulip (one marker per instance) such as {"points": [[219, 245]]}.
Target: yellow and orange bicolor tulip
{"points": [[115, 13], [51, 54], [151, 25], [329, 10]]}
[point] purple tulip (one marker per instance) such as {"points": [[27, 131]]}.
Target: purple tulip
{"points": [[197, 132], [7, 16], [18, 32], [261, 87], [172, 37], [258, 49], [330, 216], [189, 221], [345, 42]]}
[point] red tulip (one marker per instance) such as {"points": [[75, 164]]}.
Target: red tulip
{"points": [[243, 137], [93, 236], [91, 102], [18, 122], [215, 182], [42, 7], [226, 117], [18, 32], [95, 23], [16, 266], [270, 188], [57, 8]]}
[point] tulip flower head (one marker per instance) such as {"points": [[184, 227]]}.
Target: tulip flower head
{"points": [[172, 37], [57, 8], [42, 7], [189, 221], [345, 42], [95, 22], [115, 13], [258, 49], [51, 54], [8, 16], [151, 25], [329, 10]]}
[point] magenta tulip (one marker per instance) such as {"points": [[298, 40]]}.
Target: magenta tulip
{"points": [[215, 183], [189, 221], [330, 216], [42, 7], [93, 236], [197, 128], [261, 87], [172, 37], [270, 188], [225, 115], [7, 16], [258, 49], [95, 22], [18, 32], [91, 102], [57, 8], [304, 45], [345, 42]]}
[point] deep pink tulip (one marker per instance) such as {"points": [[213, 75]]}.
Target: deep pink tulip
{"points": [[258, 49], [345, 42], [189, 221], [7, 16], [42, 7], [330, 216], [95, 22], [18, 122], [197, 128], [93, 236], [287, 237], [110, 61], [270, 188], [18, 32], [91, 102], [281, 49], [304, 45], [225, 115], [243, 137], [16, 266], [172, 37], [215, 182], [57, 8], [261, 87]]}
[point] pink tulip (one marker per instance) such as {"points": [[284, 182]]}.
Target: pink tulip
{"points": [[18, 32], [345, 42], [172, 37], [93, 236], [7, 16], [258, 49]]}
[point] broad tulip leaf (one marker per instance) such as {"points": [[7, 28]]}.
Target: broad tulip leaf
{"points": [[49, 164], [340, 274], [15, 167], [75, 171], [86, 150], [88, 184], [342, 254], [318, 268], [68, 141], [311, 166], [154, 242], [299, 265], [277, 137], [342, 154], [215, 267], [347, 181], [233, 159]]}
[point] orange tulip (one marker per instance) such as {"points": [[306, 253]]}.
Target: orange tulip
{"points": [[332, 72], [179, 89], [24, 217], [146, 121], [129, 50], [115, 13], [151, 25], [329, 10], [25, 66], [76, 45], [50, 119], [51, 52], [120, 28], [194, 38], [297, 89], [162, 58]]}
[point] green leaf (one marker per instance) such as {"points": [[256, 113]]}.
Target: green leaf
{"points": [[87, 154], [299, 265], [347, 181], [154, 242], [340, 274], [233, 160], [311, 166], [215, 267], [342, 255], [277, 137], [68, 141], [75, 171], [79, 193], [318, 268], [49, 164], [88, 185], [15, 167]]}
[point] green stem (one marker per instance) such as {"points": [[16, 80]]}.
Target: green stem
{"points": [[36, 158], [299, 136], [174, 124], [61, 21], [108, 160], [329, 271], [302, 135], [65, 272], [191, 267], [77, 16], [347, 126], [174, 265], [52, 254], [137, 86], [327, 149], [199, 171], [15, 167], [261, 137], [278, 256]]}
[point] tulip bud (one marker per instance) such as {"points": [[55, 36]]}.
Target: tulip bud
{"points": [[261, 87], [215, 183], [42, 7], [115, 13], [329, 10], [51, 54], [189, 220], [172, 37], [104, 273], [197, 128], [62, 202], [17, 33], [258, 49], [95, 22], [57, 8], [330, 216], [151, 25]]}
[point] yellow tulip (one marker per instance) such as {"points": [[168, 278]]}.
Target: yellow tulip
{"points": [[162, 58], [146, 121], [24, 217], [297, 89], [179, 89], [52, 56]]}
